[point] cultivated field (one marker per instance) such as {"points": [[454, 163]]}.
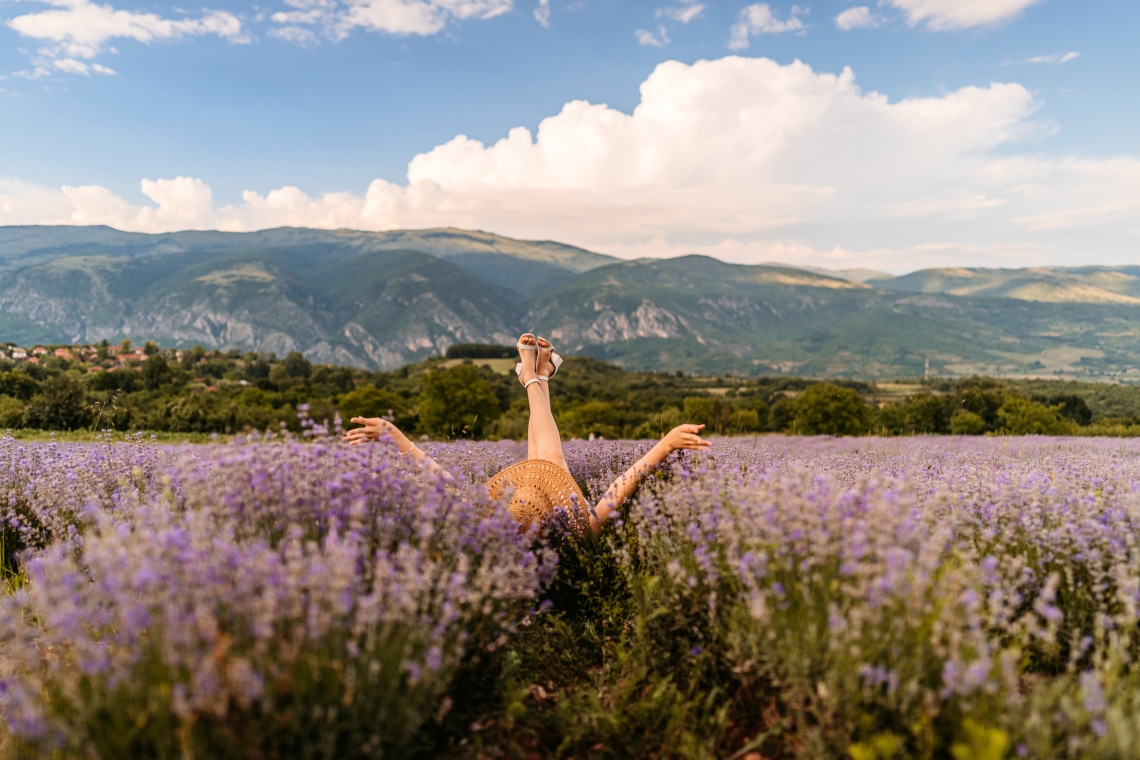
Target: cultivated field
{"points": [[779, 597]]}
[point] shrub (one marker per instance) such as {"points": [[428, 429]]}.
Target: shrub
{"points": [[964, 422]]}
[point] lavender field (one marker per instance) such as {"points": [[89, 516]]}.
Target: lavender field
{"points": [[779, 597]]}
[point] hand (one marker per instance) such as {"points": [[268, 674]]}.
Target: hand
{"points": [[686, 437], [375, 429]]}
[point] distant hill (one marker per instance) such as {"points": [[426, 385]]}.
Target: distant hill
{"points": [[1104, 285], [381, 300]]}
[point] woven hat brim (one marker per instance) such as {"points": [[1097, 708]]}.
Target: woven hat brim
{"points": [[545, 477]]}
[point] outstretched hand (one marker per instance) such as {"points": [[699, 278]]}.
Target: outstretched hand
{"points": [[686, 437], [375, 429]]}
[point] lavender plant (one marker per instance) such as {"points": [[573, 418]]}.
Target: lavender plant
{"points": [[926, 597], [289, 600]]}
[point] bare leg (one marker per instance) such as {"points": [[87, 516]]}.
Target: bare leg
{"points": [[544, 441]]}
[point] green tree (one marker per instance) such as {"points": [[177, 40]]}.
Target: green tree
{"points": [[59, 405], [965, 422], [890, 420], [151, 348], [457, 402], [828, 409], [1020, 416], [18, 385], [12, 413], [659, 423], [370, 401], [926, 413], [593, 417], [781, 414], [745, 421], [155, 372], [297, 365]]}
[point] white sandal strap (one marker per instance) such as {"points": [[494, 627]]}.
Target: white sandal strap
{"points": [[556, 360]]}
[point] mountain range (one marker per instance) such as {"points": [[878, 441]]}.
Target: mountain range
{"points": [[383, 299]]}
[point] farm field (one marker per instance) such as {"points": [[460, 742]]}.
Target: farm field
{"points": [[779, 597]]}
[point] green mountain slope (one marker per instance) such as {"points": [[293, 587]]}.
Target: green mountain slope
{"points": [[525, 267], [699, 314], [1105, 285], [384, 299]]}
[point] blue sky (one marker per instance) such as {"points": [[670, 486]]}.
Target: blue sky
{"points": [[972, 132]]}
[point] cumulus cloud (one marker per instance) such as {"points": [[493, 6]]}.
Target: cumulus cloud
{"points": [[759, 19], [859, 17], [335, 19], [947, 15], [78, 30], [742, 158]]}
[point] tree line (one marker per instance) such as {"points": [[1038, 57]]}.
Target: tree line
{"points": [[197, 391]]}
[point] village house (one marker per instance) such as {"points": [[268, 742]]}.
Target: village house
{"points": [[63, 353], [19, 353], [39, 351]]}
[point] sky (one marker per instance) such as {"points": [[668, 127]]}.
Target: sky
{"points": [[895, 135]]}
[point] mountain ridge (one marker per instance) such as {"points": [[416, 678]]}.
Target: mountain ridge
{"points": [[380, 300]]}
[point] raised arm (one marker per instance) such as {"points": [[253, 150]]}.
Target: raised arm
{"points": [[379, 429], [680, 437]]}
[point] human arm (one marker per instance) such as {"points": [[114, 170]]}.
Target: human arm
{"points": [[380, 429], [680, 437]]}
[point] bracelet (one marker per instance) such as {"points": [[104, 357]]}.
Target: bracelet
{"points": [[409, 451]]}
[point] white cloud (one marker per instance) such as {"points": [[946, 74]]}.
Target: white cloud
{"points": [[337, 18], [759, 19], [859, 17], [683, 13], [80, 29], [646, 38], [741, 158], [542, 13], [946, 15], [1056, 58]]}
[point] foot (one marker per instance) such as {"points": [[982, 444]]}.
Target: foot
{"points": [[525, 369], [548, 360]]}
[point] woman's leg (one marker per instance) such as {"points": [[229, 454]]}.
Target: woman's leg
{"points": [[544, 441]]}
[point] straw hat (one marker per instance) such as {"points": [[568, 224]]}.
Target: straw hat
{"points": [[539, 486]]}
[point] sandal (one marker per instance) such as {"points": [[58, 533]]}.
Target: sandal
{"points": [[555, 358], [519, 367]]}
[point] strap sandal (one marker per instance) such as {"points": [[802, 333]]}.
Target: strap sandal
{"points": [[527, 347], [550, 353]]}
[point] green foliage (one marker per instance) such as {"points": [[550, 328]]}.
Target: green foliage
{"points": [[1020, 416], [890, 419], [156, 372], [255, 391], [597, 418], [828, 409], [60, 405], [457, 403], [926, 415], [18, 385], [297, 366], [964, 422], [12, 413], [370, 401]]}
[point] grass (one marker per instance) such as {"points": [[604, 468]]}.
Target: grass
{"points": [[34, 435]]}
